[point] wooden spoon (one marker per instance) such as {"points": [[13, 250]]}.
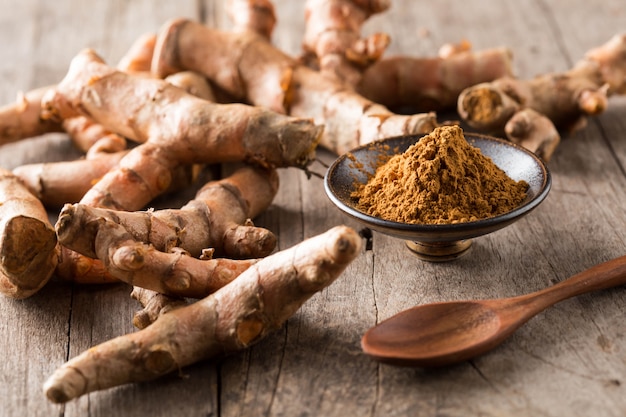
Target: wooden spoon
{"points": [[445, 333]]}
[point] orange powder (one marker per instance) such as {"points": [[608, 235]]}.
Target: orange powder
{"points": [[440, 179]]}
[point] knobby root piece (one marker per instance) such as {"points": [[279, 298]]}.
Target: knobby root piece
{"points": [[21, 119], [28, 244], [252, 15], [566, 98], [58, 183], [91, 137], [240, 314], [488, 106], [332, 38], [611, 61], [430, 84], [174, 127], [249, 68], [217, 218], [154, 306], [138, 58], [533, 131], [193, 83], [80, 269], [174, 273]]}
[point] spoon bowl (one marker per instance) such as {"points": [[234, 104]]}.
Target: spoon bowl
{"points": [[431, 335], [441, 334], [436, 242]]}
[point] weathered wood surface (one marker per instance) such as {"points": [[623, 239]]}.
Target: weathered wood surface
{"points": [[569, 360]]}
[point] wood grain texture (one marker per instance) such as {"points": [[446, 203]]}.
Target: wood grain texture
{"points": [[569, 360]]}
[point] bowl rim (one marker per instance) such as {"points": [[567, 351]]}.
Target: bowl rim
{"points": [[426, 228]]}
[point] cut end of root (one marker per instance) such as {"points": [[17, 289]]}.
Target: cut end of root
{"points": [[346, 244], [28, 249], [24, 241], [482, 107], [64, 385], [57, 395]]}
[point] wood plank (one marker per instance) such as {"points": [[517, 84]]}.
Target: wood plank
{"points": [[568, 360]]}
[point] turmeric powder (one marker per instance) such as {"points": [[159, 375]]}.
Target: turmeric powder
{"points": [[441, 179]]}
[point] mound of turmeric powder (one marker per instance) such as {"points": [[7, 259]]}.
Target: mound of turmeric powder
{"points": [[441, 179]]}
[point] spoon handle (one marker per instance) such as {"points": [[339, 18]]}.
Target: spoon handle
{"points": [[605, 275]]}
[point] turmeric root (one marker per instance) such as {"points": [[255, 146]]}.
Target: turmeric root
{"points": [[91, 137], [249, 68], [534, 131], [431, 84], [154, 306], [28, 254], [174, 128], [218, 218], [174, 273], [22, 119], [238, 315], [79, 269], [332, 38], [58, 183], [564, 98], [252, 15], [138, 58], [192, 83]]}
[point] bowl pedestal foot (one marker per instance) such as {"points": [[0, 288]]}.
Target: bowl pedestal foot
{"points": [[439, 251]]}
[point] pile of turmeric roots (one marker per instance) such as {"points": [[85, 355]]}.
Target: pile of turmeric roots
{"points": [[190, 96]]}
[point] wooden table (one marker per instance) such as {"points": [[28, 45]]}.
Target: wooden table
{"points": [[568, 361]]}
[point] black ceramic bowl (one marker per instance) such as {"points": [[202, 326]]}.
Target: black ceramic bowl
{"points": [[437, 242]]}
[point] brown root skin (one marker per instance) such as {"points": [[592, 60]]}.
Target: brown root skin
{"points": [[430, 84], [566, 98], [252, 15], [333, 36], [556, 96], [533, 131], [74, 267], [21, 120], [216, 133], [58, 183], [174, 273], [218, 216], [193, 83], [91, 137], [611, 61], [238, 315], [28, 244], [154, 306], [249, 68], [138, 58]]}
